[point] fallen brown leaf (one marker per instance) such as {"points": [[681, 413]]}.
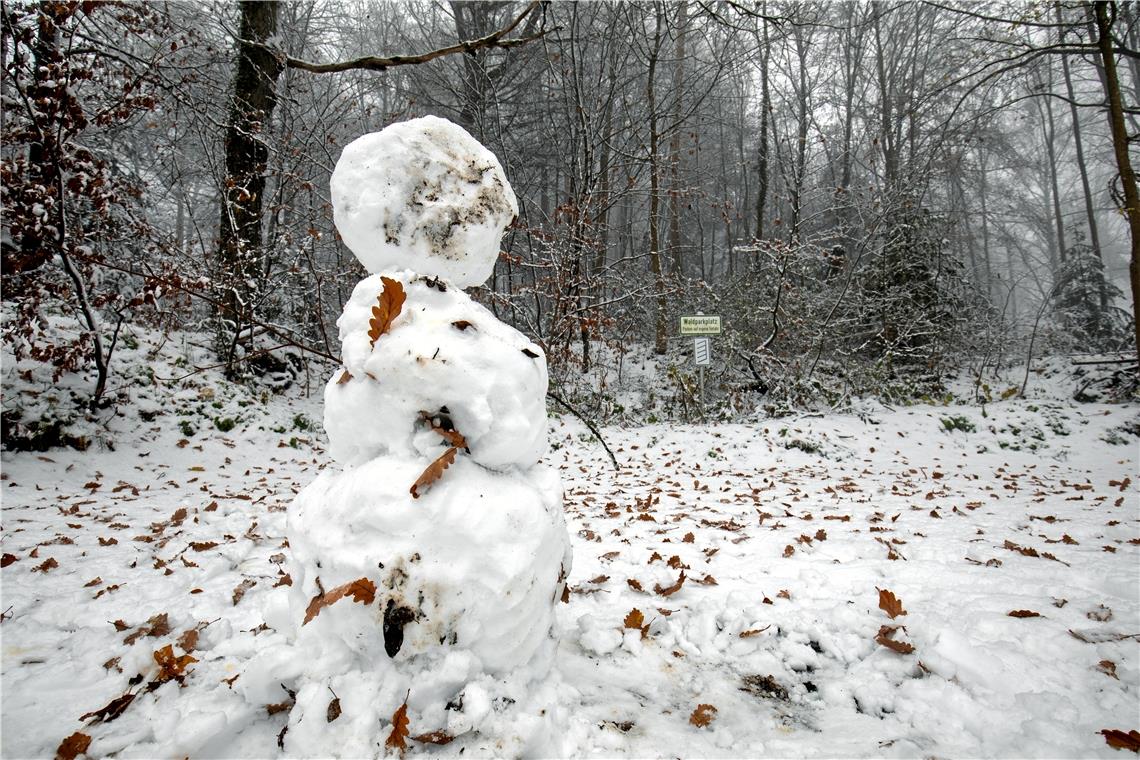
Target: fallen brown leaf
{"points": [[433, 472], [395, 739], [885, 637], [890, 604], [703, 715], [112, 710], [241, 588], [435, 737], [1119, 740], [361, 590], [73, 746], [671, 589]]}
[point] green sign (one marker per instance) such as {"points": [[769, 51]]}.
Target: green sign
{"points": [[700, 325]]}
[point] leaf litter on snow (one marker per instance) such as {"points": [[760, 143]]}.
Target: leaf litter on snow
{"points": [[783, 670]]}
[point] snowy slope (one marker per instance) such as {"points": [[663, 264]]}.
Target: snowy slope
{"points": [[782, 646]]}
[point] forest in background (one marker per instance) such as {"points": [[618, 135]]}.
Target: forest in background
{"points": [[873, 196]]}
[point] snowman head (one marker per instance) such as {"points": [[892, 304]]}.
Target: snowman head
{"points": [[423, 195]]}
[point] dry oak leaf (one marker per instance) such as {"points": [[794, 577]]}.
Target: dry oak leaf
{"points": [[361, 590], [73, 746], [171, 668], [890, 604], [188, 640], [671, 589], [333, 711], [1119, 740], [8, 559], [635, 619], [453, 437], [433, 472], [1023, 614], [157, 626], [635, 584], [884, 637], [789, 550], [703, 715], [241, 588], [1108, 667], [47, 564], [753, 632], [112, 710], [435, 737], [395, 739], [344, 378], [387, 308]]}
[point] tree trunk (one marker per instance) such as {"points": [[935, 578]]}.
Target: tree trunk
{"points": [[762, 149], [254, 96], [660, 338], [1049, 133], [675, 247], [1078, 144], [1123, 162]]}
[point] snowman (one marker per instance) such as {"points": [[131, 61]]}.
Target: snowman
{"points": [[426, 565]]}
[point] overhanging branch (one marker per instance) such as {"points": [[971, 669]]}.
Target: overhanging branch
{"points": [[496, 39]]}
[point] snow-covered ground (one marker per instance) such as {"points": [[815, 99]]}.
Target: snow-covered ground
{"points": [[785, 530]]}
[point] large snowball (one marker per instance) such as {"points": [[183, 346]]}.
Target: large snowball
{"points": [[445, 355], [476, 563], [461, 626], [423, 195]]}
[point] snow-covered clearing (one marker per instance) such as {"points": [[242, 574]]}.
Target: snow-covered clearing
{"points": [[784, 531]]}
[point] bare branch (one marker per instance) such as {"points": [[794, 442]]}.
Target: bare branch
{"points": [[496, 39]]}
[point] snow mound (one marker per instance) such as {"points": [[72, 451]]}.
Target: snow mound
{"points": [[425, 195], [461, 628], [444, 355], [475, 562]]}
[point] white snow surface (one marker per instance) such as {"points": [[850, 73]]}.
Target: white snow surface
{"points": [[442, 351], [782, 646], [425, 195]]}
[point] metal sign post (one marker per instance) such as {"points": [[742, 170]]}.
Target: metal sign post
{"points": [[700, 326], [702, 357]]}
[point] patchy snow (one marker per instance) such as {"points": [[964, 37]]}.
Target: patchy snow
{"points": [[425, 195], [782, 646]]}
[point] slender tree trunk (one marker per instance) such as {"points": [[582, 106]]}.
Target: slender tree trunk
{"points": [[675, 190], [1120, 149], [724, 194], [254, 96], [1049, 133], [1078, 144], [886, 116], [983, 187], [799, 168], [765, 109], [660, 339]]}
